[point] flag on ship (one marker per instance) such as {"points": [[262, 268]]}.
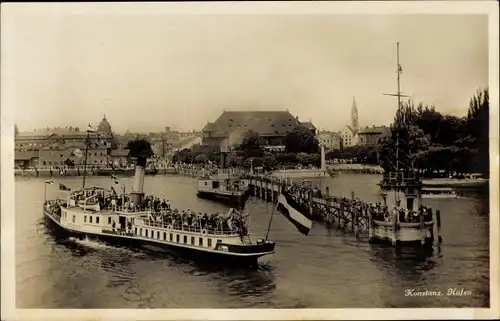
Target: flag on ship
{"points": [[49, 182], [110, 162], [63, 187], [294, 212]]}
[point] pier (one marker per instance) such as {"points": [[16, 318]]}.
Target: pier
{"points": [[349, 214]]}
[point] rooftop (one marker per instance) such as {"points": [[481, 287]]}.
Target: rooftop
{"points": [[262, 122], [374, 130]]}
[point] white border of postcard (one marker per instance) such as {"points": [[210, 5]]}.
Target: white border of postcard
{"points": [[9, 312]]}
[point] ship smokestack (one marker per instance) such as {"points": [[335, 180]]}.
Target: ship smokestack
{"points": [[140, 150]]}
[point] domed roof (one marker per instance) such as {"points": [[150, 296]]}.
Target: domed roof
{"points": [[104, 126]]}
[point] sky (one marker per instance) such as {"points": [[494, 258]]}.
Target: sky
{"points": [[145, 71]]}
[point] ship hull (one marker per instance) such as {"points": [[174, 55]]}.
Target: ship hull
{"points": [[229, 256], [231, 200]]}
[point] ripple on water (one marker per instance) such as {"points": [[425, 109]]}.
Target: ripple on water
{"points": [[327, 269]]}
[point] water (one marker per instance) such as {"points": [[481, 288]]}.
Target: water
{"points": [[327, 269]]}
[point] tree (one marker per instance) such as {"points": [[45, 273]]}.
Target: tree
{"points": [[412, 141], [140, 150], [286, 158], [477, 130], [201, 159], [269, 162], [253, 162], [250, 141], [301, 140]]}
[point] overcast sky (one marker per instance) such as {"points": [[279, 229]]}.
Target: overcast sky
{"points": [[148, 71]]}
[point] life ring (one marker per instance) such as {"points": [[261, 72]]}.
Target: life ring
{"points": [[169, 227], [204, 232]]}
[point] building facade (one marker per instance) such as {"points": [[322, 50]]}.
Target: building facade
{"points": [[371, 135], [49, 147], [272, 126], [330, 140]]}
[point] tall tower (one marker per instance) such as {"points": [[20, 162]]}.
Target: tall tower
{"points": [[354, 116]]}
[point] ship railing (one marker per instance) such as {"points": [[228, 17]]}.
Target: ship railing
{"points": [[190, 228]]}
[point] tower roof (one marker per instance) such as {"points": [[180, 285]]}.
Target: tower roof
{"points": [[104, 126]]}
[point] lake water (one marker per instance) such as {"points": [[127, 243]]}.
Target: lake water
{"points": [[327, 269]]}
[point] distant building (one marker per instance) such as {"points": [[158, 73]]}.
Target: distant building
{"points": [[53, 146], [349, 136], [39, 138], [371, 135], [272, 126], [331, 140], [349, 133]]}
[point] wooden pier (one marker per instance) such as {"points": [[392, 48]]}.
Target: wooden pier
{"points": [[349, 214]]}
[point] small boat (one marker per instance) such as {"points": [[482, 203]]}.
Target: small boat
{"points": [[438, 192], [232, 191]]}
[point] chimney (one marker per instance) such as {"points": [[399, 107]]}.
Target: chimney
{"points": [[297, 118]]}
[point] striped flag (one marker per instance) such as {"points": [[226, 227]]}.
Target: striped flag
{"points": [[91, 129], [49, 182], [295, 213]]}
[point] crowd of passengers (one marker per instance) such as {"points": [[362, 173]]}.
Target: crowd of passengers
{"points": [[189, 220]]}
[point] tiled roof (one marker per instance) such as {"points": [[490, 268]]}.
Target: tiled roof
{"points": [[63, 132], [349, 128], [25, 155], [45, 132], [374, 130], [208, 127], [119, 152], [262, 122], [308, 125]]}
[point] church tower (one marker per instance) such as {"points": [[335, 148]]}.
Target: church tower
{"points": [[354, 116]]}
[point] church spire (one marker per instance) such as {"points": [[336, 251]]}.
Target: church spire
{"points": [[354, 116]]}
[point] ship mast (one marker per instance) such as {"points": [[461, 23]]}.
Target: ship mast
{"points": [[398, 113]]}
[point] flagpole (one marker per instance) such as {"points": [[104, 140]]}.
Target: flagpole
{"points": [[87, 142], [271, 219]]}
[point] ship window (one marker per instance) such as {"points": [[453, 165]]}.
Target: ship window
{"points": [[90, 219], [206, 183], [185, 239], [164, 236], [200, 241], [158, 235], [136, 230], [171, 237], [73, 219], [84, 218], [109, 220], [409, 203], [97, 220], [140, 231], [209, 242], [177, 238], [146, 232], [192, 240]]}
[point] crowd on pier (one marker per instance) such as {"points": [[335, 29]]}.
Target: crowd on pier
{"points": [[377, 210]]}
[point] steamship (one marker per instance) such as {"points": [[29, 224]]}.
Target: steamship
{"points": [[128, 220], [229, 189]]}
